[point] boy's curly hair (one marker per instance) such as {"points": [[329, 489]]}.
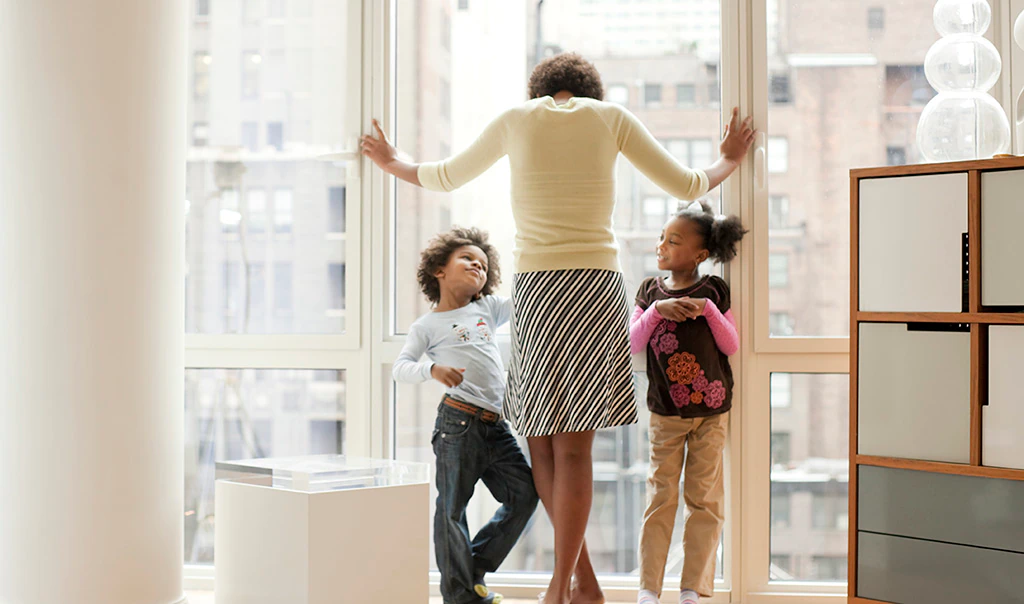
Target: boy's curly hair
{"points": [[439, 250], [721, 234], [566, 71]]}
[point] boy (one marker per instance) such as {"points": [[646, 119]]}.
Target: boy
{"points": [[457, 273]]}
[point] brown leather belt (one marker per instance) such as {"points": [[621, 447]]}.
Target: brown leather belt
{"points": [[487, 416]]}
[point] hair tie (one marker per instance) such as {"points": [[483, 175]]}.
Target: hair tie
{"points": [[694, 209]]}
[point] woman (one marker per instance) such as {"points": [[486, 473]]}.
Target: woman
{"points": [[570, 369]]}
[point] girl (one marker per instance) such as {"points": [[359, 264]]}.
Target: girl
{"points": [[689, 332]]}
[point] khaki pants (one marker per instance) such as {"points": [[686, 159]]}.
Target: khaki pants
{"points": [[702, 441]]}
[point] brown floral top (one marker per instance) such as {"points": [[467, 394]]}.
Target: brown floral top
{"points": [[688, 375]]}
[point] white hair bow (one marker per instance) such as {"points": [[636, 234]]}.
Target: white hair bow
{"points": [[695, 209]]}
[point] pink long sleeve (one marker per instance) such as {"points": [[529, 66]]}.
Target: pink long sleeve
{"points": [[723, 328], [641, 326]]}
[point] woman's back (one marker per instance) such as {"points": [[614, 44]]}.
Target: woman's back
{"points": [[562, 159]]}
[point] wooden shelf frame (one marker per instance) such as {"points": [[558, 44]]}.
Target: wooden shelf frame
{"points": [[978, 318]]}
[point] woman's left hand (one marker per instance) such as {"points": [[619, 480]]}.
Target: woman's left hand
{"points": [[379, 148]]}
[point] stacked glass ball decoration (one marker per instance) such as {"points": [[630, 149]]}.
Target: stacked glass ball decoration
{"points": [[963, 121]]}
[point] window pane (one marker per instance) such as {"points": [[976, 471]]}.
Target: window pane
{"points": [[809, 476], [686, 94], [336, 210], [248, 413], [252, 97], [640, 60], [870, 54], [620, 474]]}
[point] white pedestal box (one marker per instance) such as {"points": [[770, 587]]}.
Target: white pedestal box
{"points": [[322, 529]]}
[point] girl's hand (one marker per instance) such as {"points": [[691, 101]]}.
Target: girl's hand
{"points": [[738, 138], [449, 376], [679, 309], [379, 148]]}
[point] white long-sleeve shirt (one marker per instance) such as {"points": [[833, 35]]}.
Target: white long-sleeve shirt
{"points": [[465, 339]]}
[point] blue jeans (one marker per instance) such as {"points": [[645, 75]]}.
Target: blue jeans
{"points": [[469, 450]]}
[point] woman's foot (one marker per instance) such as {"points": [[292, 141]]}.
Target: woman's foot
{"points": [[586, 593], [688, 596], [647, 597]]}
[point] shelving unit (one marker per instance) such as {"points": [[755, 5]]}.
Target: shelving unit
{"points": [[937, 383]]}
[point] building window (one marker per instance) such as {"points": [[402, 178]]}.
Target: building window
{"points": [[200, 134], [780, 324], [780, 449], [256, 202], [781, 390], [876, 18], [778, 211], [202, 8], [617, 93], [336, 283], [275, 135], [651, 265], [278, 9], [283, 211], [907, 86], [896, 156], [700, 153], [253, 11], [446, 29], [782, 567], [779, 90], [829, 568], [336, 210], [655, 213], [231, 280], [778, 270], [652, 94], [778, 154], [282, 286], [230, 216], [201, 75], [686, 94], [446, 100], [251, 62], [714, 86], [780, 510], [463, 4], [830, 511], [250, 136]]}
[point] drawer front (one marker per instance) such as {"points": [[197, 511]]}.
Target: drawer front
{"points": [[964, 510], [911, 243], [913, 396], [909, 571]]}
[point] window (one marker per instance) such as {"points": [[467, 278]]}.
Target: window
{"points": [[701, 153], [876, 18], [201, 75], [617, 93], [463, 4], [251, 62], [275, 135], [200, 134], [336, 210], [714, 85], [652, 94], [446, 29], [895, 156], [830, 511], [829, 568], [780, 510], [780, 449], [230, 215], [282, 286], [253, 11], [651, 266], [686, 94], [283, 211], [907, 86], [778, 88], [778, 211], [781, 569], [202, 8], [336, 279], [781, 390], [250, 136], [231, 279], [256, 199], [278, 9], [778, 270], [655, 213], [778, 155], [446, 100], [780, 324]]}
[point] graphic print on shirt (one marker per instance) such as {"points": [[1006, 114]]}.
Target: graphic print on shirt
{"points": [[461, 332], [690, 386], [483, 330]]}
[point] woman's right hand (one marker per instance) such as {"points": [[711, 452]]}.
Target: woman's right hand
{"points": [[449, 376], [738, 138], [379, 148], [678, 309]]}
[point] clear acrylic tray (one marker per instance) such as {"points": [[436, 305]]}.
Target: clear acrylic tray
{"points": [[318, 473]]}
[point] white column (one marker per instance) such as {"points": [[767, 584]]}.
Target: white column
{"points": [[92, 190]]}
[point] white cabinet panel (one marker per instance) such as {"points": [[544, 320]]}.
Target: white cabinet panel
{"points": [[1002, 242], [911, 233], [1002, 431], [913, 397]]}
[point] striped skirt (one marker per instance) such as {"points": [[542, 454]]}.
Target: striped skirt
{"points": [[570, 369]]}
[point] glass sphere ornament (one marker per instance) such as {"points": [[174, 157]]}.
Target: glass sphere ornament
{"points": [[962, 17], [958, 126], [1018, 30], [962, 62]]}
